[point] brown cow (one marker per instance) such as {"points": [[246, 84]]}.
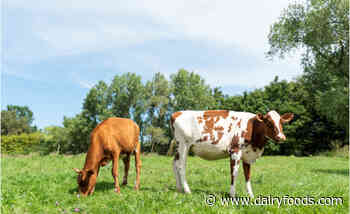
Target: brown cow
{"points": [[110, 140]]}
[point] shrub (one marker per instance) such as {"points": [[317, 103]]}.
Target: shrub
{"points": [[21, 144]]}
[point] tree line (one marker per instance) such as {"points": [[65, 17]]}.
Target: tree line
{"points": [[319, 98]]}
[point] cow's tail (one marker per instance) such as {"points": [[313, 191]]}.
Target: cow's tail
{"points": [[173, 141], [171, 147]]}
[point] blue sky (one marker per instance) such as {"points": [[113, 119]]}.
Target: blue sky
{"points": [[54, 51]]}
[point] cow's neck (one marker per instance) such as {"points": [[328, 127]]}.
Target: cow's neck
{"points": [[258, 138], [93, 157]]}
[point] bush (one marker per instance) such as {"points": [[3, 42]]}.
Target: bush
{"points": [[21, 144]]}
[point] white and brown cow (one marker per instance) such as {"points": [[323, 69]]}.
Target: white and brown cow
{"points": [[217, 134]]}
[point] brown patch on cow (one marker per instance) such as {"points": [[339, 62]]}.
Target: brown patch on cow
{"points": [[205, 138], [208, 126], [234, 146], [212, 117], [234, 118], [173, 117], [220, 134], [200, 119], [212, 137], [219, 128], [246, 169], [258, 136], [249, 132], [271, 126], [229, 128], [216, 113], [239, 123]]}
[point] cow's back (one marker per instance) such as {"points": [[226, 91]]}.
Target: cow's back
{"points": [[115, 131], [185, 125]]}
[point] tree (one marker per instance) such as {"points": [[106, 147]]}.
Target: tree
{"points": [[56, 138], [157, 100], [190, 92], [156, 137], [126, 97], [320, 29], [16, 120], [219, 98], [125, 93], [96, 103], [78, 130]]}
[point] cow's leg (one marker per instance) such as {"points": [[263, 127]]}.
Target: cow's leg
{"points": [[115, 171], [246, 168], [126, 161], [234, 163], [138, 165], [180, 167], [176, 171], [183, 152]]}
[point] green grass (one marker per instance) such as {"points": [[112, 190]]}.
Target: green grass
{"points": [[47, 184]]}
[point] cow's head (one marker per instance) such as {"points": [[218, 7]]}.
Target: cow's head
{"points": [[269, 125], [86, 181]]}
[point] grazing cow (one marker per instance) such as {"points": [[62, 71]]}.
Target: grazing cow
{"points": [[112, 139], [217, 134]]}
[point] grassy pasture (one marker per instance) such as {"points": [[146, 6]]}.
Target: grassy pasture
{"points": [[47, 184]]}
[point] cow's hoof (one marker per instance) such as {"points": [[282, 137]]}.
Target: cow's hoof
{"points": [[124, 183], [137, 188], [187, 192], [117, 190]]}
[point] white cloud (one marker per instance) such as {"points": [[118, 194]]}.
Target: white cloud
{"points": [[254, 77], [85, 84], [73, 28], [90, 25]]}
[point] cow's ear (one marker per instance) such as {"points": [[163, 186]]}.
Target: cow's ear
{"points": [[287, 117], [77, 170], [259, 117]]}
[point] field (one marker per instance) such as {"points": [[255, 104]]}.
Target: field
{"points": [[47, 184]]}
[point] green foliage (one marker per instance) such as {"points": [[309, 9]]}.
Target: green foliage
{"points": [[95, 105], [190, 92], [21, 144], [78, 131], [47, 184], [124, 92], [56, 139], [157, 100], [308, 133], [320, 29], [337, 151], [16, 120], [157, 140]]}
